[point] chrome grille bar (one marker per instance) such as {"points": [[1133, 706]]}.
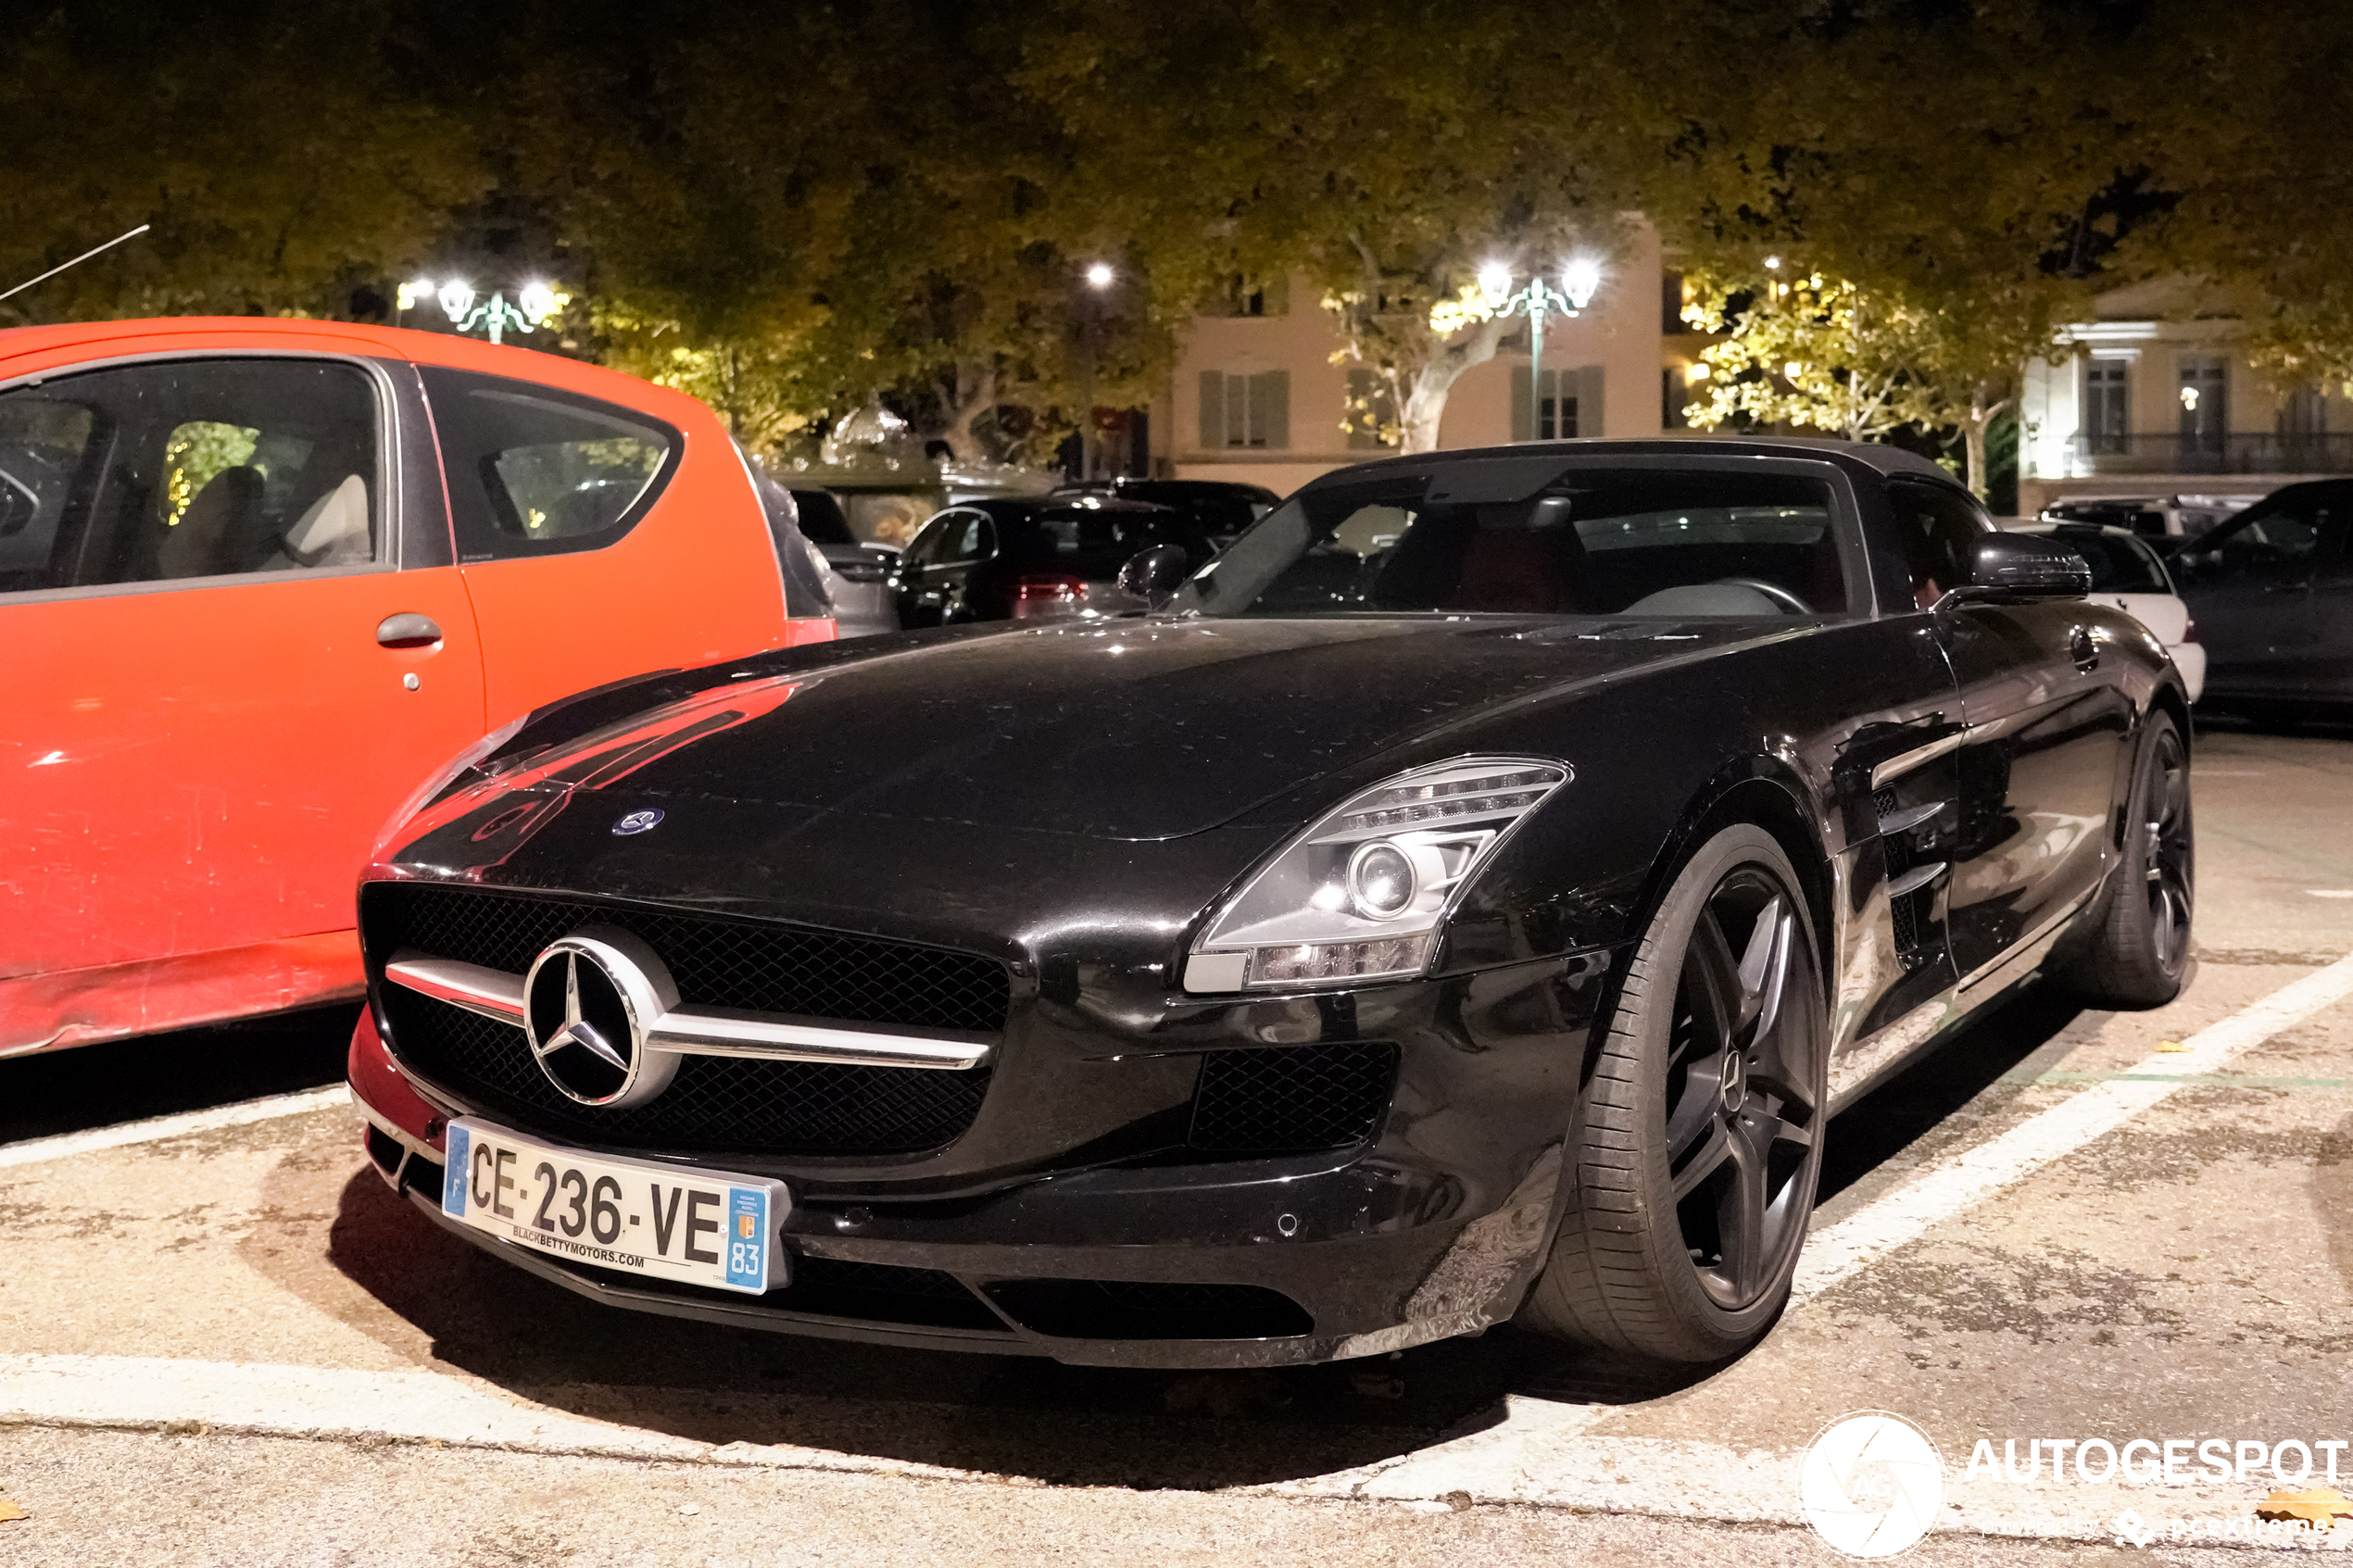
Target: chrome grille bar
{"points": [[692, 1031]]}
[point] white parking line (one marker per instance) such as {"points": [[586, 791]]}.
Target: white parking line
{"points": [[241, 1114], [1880, 1226], [1544, 1452], [1539, 1455]]}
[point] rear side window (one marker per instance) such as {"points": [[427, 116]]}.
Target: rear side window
{"points": [[180, 470], [2118, 565], [536, 471]]}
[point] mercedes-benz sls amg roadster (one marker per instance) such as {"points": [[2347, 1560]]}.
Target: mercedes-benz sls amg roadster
{"points": [[1467, 899]]}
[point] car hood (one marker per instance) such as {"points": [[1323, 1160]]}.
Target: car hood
{"points": [[1133, 729]]}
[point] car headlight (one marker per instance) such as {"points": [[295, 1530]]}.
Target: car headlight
{"points": [[1360, 895]]}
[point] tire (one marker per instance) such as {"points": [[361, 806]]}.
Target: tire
{"points": [[1727, 971], [2130, 949]]}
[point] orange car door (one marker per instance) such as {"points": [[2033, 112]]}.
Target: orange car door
{"points": [[598, 541], [221, 684]]}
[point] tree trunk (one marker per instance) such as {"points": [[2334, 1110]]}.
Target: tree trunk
{"points": [[973, 394], [1424, 404], [1982, 416]]}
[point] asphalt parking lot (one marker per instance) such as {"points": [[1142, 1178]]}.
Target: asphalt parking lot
{"points": [[225, 1341]]}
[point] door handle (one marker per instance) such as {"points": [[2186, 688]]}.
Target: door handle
{"points": [[408, 630], [2083, 650]]}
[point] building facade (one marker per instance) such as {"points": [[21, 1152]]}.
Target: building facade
{"points": [[1259, 397], [2155, 402]]}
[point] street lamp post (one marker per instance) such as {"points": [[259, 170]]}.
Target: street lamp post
{"points": [[1579, 280], [1100, 277]]}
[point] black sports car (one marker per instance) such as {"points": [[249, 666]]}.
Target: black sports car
{"points": [[1467, 899]]}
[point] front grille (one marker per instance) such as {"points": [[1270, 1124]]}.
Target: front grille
{"points": [[1281, 1100], [716, 1104], [717, 960]]}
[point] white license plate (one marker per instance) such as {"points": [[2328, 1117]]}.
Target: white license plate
{"points": [[700, 1227]]}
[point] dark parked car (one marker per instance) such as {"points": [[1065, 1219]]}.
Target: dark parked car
{"points": [[2272, 591], [1222, 509], [1277, 978], [1032, 560], [860, 592]]}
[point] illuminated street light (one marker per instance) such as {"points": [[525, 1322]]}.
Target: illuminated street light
{"points": [[466, 310], [1580, 279], [1772, 264], [1100, 275]]}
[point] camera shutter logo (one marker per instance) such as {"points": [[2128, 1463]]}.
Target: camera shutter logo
{"points": [[1871, 1484]]}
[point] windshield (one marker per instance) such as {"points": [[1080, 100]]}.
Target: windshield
{"points": [[1628, 542]]}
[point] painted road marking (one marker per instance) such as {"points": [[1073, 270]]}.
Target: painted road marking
{"points": [[1871, 1233], [242, 1113], [1543, 1454], [1538, 1456]]}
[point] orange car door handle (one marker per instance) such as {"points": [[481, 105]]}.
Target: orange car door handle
{"points": [[407, 631]]}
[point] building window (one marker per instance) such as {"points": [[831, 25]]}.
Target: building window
{"points": [[2206, 408], [2106, 405], [1563, 403], [1245, 413], [1670, 304], [1674, 396], [1371, 410], [1241, 296]]}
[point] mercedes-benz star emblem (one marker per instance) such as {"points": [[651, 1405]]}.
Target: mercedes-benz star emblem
{"points": [[638, 822], [587, 1003]]}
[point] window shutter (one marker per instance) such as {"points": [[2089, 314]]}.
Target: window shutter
{"points": [[1589, 400], [1523, 409], [1273, 393], [1213, 409]]}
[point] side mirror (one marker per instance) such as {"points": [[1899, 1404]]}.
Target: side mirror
{"points": [[2025, 566], [1154, 575]]}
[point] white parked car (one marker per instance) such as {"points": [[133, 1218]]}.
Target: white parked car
{"points": [[2130, 575], [2152, 517]]}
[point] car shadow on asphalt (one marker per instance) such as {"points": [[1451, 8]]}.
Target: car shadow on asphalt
{"points": [[1946, 1091], [98, 1085], [1001, 1415], [1067, 1426], [1034, 1418]]}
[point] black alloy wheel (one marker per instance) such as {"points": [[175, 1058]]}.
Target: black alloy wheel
{"points": [[1699, 1138], [1742, 1112], [2131, 949], [2166, 849]]}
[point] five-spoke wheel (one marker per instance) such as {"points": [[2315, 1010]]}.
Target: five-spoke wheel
{"points": [[1698, 1138]]}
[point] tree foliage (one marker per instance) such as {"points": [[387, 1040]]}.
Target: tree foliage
{"points": [[793, 211]]}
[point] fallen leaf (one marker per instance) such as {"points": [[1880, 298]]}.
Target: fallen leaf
{"points": [[10, 1510], [2321, 1505], [2170, 1046]]}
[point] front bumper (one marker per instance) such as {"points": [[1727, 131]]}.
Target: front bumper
{"points": [[1433, 1226]]}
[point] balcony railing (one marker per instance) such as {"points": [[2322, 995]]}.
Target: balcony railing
{"points": [[2316, 452]]}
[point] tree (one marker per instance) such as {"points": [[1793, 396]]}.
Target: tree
{"points": [[286, 156], [1382, 150], [1804, 349]]}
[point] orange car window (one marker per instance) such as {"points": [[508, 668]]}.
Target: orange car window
{"points": [[186, 468], [536, 471]]}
